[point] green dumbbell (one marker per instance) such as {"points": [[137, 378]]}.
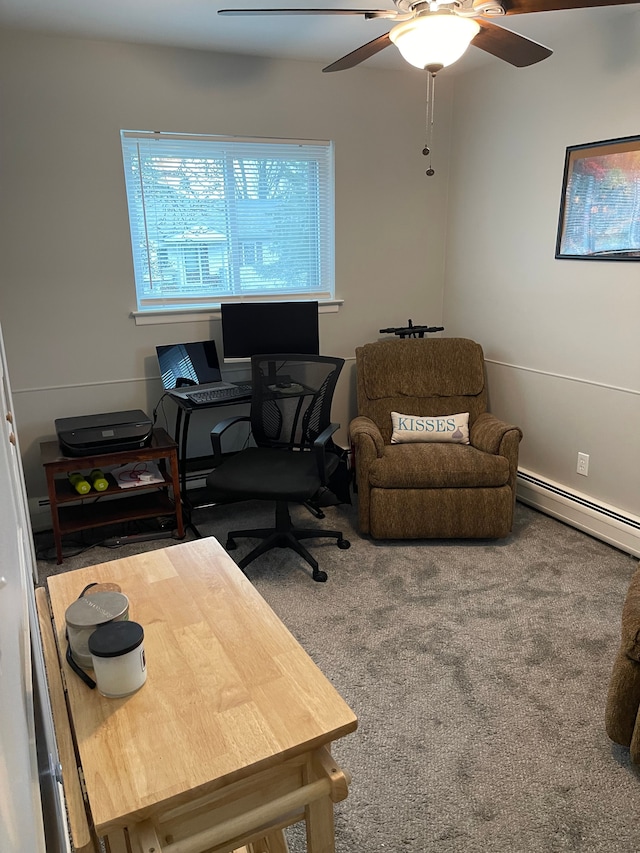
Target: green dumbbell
{"points": [[79, 483], [98, 480]]}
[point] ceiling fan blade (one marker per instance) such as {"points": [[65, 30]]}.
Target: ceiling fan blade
{"points": [[507, 45], [518, 7], [360, 54], [367, 13]]}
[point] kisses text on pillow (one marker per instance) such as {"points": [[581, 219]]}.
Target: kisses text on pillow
{"points": [[451, 428]]}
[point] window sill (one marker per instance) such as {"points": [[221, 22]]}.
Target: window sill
{"points": [[191, 315]]}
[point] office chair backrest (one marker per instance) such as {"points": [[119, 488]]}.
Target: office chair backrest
{"points": [[291, 398]]}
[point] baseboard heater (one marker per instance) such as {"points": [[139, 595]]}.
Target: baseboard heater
{"points": [[622, 530]]}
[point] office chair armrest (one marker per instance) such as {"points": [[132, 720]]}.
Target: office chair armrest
{"points": [[488, 432], [320, 446], [218, 430]]}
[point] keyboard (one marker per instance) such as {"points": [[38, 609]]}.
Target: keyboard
{"points": [[217, 395]]}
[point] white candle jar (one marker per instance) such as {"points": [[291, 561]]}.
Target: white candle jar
{"points": [[119, 664]]}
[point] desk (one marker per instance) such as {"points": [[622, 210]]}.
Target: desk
{"points": [[181, 434], [228, 740]]}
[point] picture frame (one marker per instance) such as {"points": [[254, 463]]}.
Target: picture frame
{"points": [[600, 201]]}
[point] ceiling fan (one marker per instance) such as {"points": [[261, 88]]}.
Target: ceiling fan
{"points": [[432, 34]]}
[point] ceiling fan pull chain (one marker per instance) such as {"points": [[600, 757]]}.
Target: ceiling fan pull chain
{"points": [[427, 121], [426, 150], [431, 94]]}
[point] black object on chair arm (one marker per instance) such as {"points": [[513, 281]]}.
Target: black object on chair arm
{"points": [[320, 447], [218, 430]]}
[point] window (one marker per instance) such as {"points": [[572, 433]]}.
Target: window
{"points": [[215, 219]]}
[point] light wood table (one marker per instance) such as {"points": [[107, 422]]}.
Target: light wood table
{"points": [[227, 742]]}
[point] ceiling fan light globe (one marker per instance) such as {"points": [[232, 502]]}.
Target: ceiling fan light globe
{"points": [[438, 38]]}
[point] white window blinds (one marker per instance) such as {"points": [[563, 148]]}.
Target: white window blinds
{"points": [[215, 219]]}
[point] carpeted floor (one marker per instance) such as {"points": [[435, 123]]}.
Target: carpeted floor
{"points": [[478, 671]]}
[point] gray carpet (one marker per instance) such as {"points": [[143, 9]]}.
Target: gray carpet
{"points": [[478, 671]]}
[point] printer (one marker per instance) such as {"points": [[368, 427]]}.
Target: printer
{"points": [[106, 433]]}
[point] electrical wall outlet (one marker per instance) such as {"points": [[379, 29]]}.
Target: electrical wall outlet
{"points": [[583, 464]]}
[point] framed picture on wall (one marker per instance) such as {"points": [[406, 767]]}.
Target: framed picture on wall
{"points": [[600, 203]]}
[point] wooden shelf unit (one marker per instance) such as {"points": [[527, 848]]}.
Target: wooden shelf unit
{"points": [[72, 512]]}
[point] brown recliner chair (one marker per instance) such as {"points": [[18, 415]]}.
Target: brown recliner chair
{"points": [[622, 718], [430, 489]]}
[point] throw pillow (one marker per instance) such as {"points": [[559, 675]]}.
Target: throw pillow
{"points": [[452, 428]]}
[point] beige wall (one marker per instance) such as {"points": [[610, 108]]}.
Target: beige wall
{"points": [[561, 336], [67, 281], [565, 332]]}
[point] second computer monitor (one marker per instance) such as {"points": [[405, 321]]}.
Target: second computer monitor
{"points": [[253, 328]]}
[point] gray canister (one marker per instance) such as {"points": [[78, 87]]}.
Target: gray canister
{"points": [[86, 614]]}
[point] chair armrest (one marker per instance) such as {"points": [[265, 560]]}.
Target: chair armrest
{"points": [[320, 446], [362, 429], [368, 445], [488, 434], [494, 436], [218, 430]]}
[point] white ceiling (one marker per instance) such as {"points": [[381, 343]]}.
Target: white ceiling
{"points": [[196, 24]]}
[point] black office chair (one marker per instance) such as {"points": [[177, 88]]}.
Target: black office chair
{"points": [[292, 460]]}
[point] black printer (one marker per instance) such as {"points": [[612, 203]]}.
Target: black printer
{"points": [[106, 433]]}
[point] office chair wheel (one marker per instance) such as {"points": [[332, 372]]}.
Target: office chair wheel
{"points": [[231, 544], [319, 575], [343, 544]]}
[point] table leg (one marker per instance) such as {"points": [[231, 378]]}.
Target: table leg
{"points": [[177, 492], [319, 812], [55, 520], [320, 830], [183, 453], [275, 842], [116, 842]]}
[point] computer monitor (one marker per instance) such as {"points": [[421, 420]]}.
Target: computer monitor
{"points": [[253, 328]]}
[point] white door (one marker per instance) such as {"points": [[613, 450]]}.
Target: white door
{"points": [[22, 828]]}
